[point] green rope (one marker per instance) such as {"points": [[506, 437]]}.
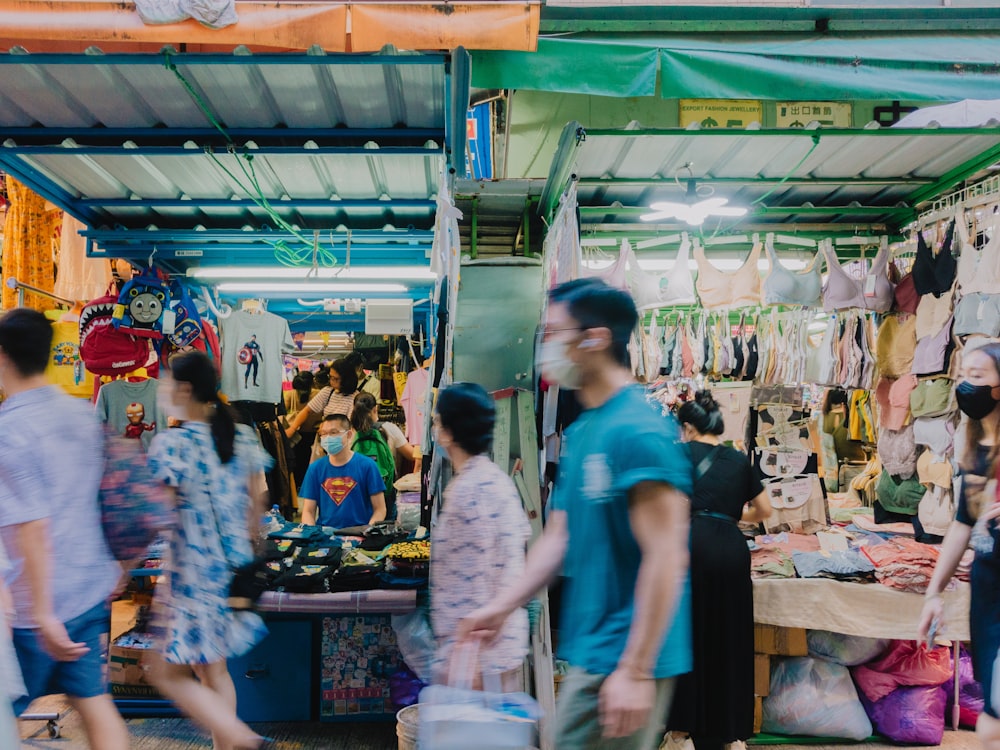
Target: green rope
{"points": [[283, 253]]}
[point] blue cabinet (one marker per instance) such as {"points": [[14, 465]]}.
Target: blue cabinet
{"points": [[274, 681]]}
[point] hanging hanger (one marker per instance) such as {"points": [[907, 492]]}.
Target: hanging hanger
{"points": [[220, 311]]}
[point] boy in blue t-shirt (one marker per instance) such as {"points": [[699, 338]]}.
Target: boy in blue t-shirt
{"points": [[343, 488]]}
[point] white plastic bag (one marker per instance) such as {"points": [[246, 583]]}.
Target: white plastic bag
{"points": [[846, 650], [456, 717], [415, 641], [815, 698]]}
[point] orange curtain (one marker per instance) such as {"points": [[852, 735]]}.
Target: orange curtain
{"points": [[27, 245]]}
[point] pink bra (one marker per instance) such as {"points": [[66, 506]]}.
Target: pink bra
{"points": [[843, 291], [740, 288]]}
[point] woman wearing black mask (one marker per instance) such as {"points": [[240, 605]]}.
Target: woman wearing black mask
{"points": [[978, 396]]}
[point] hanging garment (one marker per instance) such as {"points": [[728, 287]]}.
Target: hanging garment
{"points": [[676, 287], [905, 295], [740, 288], [734, 404], [739, 350], [27, 246], [698, 343], [866, 328], [979, 270], [752, 357], [931, 354], [77, 276], [978, 313], [934, 273], [897, 451], [687, 350], [900, 495], [933, 397], [937, 433], [894, 401], [843, 291], [932, 314], [615, 275], [826, 357], [784, 287], [933, 469], [897, 338], [253, 346]]}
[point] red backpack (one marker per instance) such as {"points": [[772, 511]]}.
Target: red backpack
{"points": [[104, 349]]}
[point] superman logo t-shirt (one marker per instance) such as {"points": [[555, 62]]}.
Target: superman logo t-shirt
{"points": [[342, 493]]}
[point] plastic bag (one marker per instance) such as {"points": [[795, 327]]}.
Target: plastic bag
{"points": [[907, 664], [415, 641], [970, 692], [404, 688], [910, 715], [814, 698], [847, 650]]}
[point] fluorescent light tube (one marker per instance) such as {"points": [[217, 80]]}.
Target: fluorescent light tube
{"points": [[393, 273], [306, 288]]}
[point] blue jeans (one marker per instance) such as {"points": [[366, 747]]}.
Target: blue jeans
{"points": [[84, 678]]}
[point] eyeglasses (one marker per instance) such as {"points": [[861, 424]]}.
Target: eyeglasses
{"points": [[544, 333], [333, 434]]}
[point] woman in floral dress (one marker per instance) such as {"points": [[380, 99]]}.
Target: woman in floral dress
{"points": [[214, 468]]}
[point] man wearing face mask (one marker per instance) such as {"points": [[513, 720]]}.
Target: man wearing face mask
{"points": [[618, 528], [343, 488]]}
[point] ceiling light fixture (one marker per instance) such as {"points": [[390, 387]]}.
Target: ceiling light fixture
{"points": [[305, 288], [694, 210]]}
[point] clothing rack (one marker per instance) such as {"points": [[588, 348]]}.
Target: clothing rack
{"points": [[21, 288], [981, 193]]}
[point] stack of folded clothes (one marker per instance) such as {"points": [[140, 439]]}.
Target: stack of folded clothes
{"points": [[903, 564]]}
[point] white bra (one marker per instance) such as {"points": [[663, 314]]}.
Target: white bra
{"points": [[978, 270], [675, 287]]}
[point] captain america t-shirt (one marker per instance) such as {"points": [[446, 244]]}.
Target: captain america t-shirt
{"points": [[343, 494]]}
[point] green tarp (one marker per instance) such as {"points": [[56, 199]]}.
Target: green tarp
{"points": [[918, 67]]}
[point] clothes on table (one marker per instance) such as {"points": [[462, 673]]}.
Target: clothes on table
{"points": [[848, 565], [903, 564]]}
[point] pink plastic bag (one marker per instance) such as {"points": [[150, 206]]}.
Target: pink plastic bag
{"points": [[910, 715], [907, 664]]}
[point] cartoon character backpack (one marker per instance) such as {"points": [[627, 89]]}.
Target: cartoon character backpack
{"points": [[187, 320], [104, 349], [143, 306]]}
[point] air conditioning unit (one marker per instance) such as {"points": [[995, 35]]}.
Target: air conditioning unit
{"points": [[392, 317]]}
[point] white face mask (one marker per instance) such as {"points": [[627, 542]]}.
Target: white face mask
{"points": [[556, 366]]}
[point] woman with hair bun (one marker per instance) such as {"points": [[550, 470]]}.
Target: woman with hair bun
{"points": [[714, 703]]}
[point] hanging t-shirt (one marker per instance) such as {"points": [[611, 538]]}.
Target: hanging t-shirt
{"points": [[65, 367], [131, 409], [252, 349], [343, 494], [412, 401]]}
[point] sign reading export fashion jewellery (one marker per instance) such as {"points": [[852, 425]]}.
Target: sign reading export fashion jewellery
{"points": [[800, 114], [720, 113]]}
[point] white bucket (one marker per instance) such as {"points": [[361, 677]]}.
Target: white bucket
{"points": [[408, 727]]}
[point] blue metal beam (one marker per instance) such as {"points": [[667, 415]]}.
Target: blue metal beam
{"points": [[31, 135], [103, 150], [399, 238], [458, 86], [193, 59], [46, 187], [344, 204]]}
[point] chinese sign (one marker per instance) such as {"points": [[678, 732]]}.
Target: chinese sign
{"points": [[800, 114], [720, 113]]}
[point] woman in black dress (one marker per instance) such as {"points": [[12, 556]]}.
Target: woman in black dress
{"points": [[714, 703], [975, 525]]}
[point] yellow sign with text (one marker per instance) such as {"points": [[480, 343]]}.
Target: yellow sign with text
{"points": [[800, 114], [720, 113]]}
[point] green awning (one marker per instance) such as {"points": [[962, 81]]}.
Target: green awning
{"points": [[919, 67]]}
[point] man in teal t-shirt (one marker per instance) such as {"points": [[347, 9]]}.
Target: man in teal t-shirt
{"points": [[618, 528]]}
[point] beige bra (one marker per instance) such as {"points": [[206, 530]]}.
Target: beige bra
{"points": [[932, 314], [896, 342], [740, 288]]}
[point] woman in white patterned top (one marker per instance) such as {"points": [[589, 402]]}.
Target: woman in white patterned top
{"points": [[336, 398], [480, 536]]}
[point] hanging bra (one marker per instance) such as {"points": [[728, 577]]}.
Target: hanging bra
{"points": [[899, 496], [933, 469], [784, 287], [934, 274], [740, 288], [897, 338], [905, 295], [615, 275], [843, 291], [897, 451], [937, 433], [933, 398], [893, 397], [978, 313], [932, 314], [930, 356], [979, 270], [676, 287]]}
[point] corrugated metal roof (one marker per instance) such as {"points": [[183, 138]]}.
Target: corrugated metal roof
{"points": [[246, 91], [786, 177]]}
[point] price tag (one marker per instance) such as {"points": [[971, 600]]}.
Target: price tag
{"points": [[870, 281]]}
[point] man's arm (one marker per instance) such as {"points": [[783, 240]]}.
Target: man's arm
{"points": [[34, 546], [658, 515], [378, 508], [308, 511], [544, 562]]}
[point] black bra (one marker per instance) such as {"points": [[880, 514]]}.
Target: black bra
{"points": [[935, 274]]}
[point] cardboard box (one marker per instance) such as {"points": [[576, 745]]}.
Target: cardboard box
{"points": [[126, 666], [758, 714], [761, 675], [776, 641]]}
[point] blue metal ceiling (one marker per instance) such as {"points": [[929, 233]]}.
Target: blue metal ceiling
{"points": [[222, 159]]}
